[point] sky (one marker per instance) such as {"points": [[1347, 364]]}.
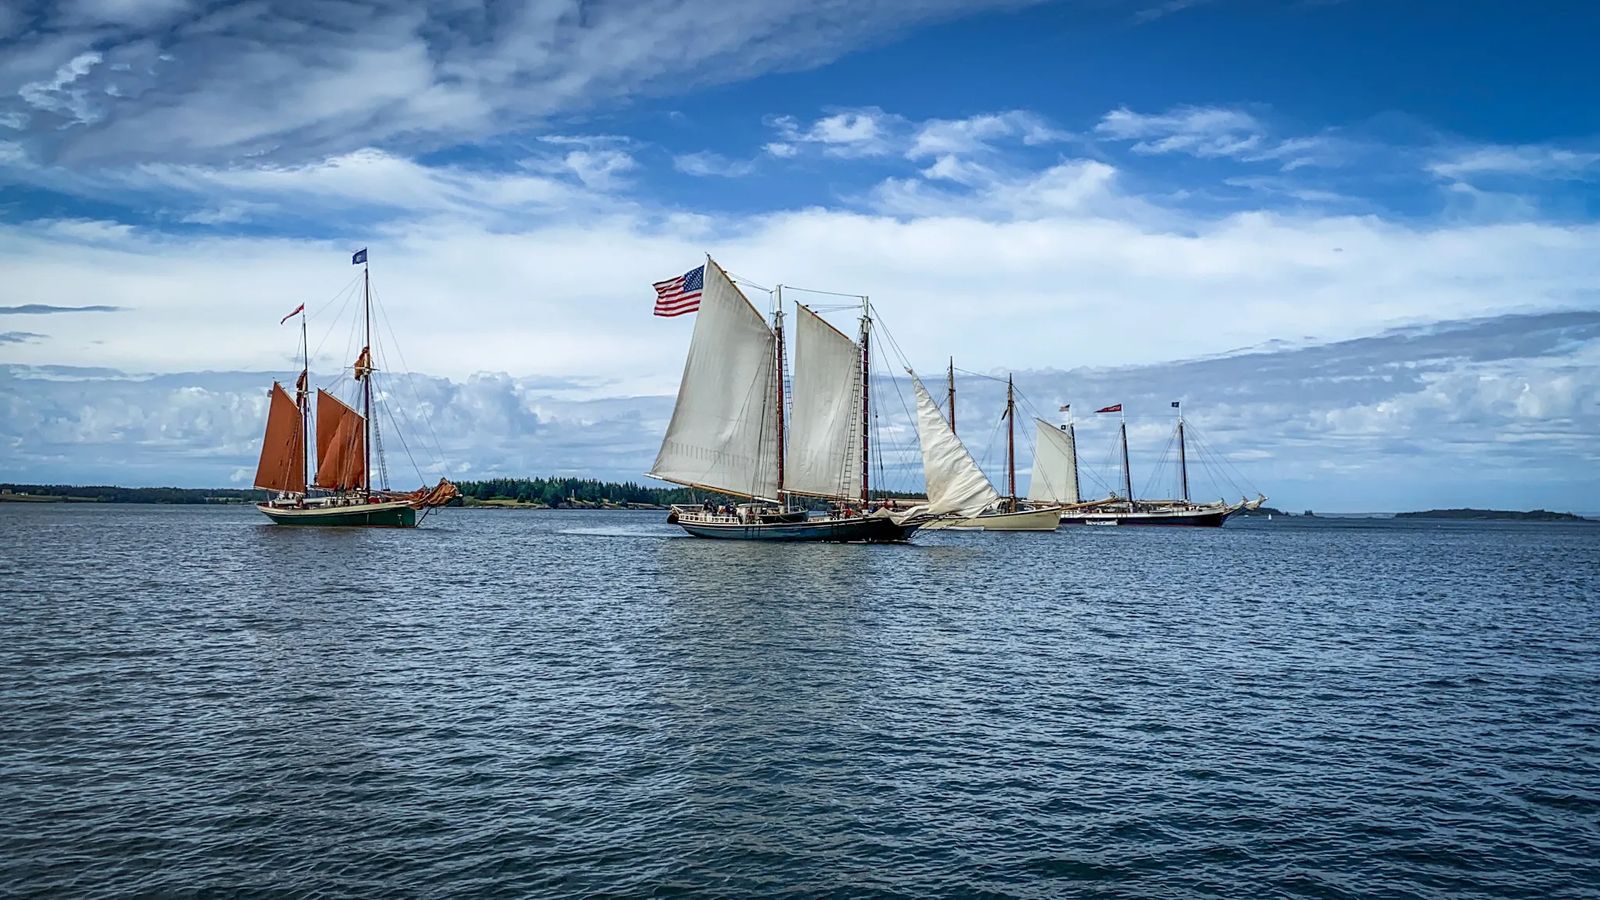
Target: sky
{"points": [[1358, 240]]}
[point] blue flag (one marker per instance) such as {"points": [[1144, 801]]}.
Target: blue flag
{"points": [[359, 258], [1174, 404]]}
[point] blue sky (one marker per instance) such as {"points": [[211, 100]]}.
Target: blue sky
{"points": [[1357, 238]]}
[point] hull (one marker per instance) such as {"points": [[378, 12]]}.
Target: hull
{"points": [[1048, 519], [394, 514], [1203, 518], [873, 530]]}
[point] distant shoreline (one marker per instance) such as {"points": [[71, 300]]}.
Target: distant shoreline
{"points": [[171, 496]]}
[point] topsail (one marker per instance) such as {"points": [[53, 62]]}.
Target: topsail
{"points": [[724, 429]]}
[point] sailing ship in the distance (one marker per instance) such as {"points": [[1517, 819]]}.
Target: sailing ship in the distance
{"points": [[344, 494]]}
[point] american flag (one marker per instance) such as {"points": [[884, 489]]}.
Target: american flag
{"points": [[680, 295]]}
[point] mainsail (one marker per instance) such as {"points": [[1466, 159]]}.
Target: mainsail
{"points": [[283, 449], [825, 428], [724, 429], [341, 445], [955, 483], [1055, 466]]}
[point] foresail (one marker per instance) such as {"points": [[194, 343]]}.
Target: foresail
{"points": [[955, 483], [724, 429], [1055, 466], [825, 416], [283, 450]]}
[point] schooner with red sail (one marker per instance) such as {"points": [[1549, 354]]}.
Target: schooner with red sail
{"points": [[341, 492]]}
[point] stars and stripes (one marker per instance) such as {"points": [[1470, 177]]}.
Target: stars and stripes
{"points": [[677, 296], [1116, 408], [1065, 407], [297, 311]]}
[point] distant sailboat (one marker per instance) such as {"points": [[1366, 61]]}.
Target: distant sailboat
{"points": [[1007, 513], [344, 457], [1126, 510], [729, 431]]}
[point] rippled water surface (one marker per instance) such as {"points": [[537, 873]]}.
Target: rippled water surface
{"points": [[524, 703]]}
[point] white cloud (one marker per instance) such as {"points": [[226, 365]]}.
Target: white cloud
{"points": [[298, 81], [709, 164], [847, 134], [1526, 160], [963, 137]]}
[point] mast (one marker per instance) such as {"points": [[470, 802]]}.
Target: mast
{"points": [[366, 382], [1127, 476], [1077, 489], [777, 330], [1183, 458], [866, 396], [1011, 442], [950, 392], [303, 397]]}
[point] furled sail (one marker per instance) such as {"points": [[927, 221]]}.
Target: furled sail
{"points": [[724, 429], [955, 483], [341, 445], [825, 416], [1055, 466], [283, 449]]}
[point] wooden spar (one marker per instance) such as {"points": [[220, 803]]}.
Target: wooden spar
{"points": [[1183, 459], [366, 381], [1011, 442], [1127, 476], [950, 393], [866, 397], [1072, 436], [706, 487], [303, 397], [777, 331]]}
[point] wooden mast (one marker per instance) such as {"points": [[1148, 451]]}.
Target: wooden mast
{"points": [[1127, 476], [777, 330], [1183, 457], [950, 393], [866, 399], [366, 378], [303, 397], [1011, 443]]}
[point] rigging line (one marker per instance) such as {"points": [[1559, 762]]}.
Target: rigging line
{"points": [[389, 410], [790, 287], [1236, 471], [422, 409], [347, 292], [738, 279]]}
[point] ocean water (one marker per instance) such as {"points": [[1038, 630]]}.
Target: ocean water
{"points": [[510, 704]]}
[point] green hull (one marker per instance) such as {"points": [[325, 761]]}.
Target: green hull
{"points": [[373, 515]]}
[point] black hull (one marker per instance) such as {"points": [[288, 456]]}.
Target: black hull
{"points": [[870, 530], [1172, 519]]}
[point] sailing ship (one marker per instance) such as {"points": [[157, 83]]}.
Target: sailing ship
{"points": [[344, 450], [1060, 467], [731, 432], [1007, 513]]}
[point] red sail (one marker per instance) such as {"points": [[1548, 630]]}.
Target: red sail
{"points": [[283, 449], [341, 445]]}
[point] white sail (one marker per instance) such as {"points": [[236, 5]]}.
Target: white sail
{"points": [[955, 483], [1055, 466], [724, 429], [825, 414]]}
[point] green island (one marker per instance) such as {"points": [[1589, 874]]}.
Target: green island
{"points": [[1532, 515], [493, 493]]}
